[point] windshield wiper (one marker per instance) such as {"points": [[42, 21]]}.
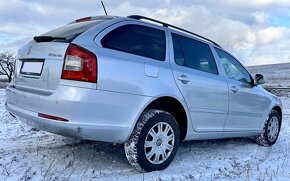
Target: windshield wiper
{"points": [[48, 38]]}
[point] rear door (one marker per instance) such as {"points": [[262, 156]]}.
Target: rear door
{"points": [[247, 102], [39, 66], [39, 63], [203, 88]]}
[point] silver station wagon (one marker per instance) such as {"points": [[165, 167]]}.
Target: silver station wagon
{"points": [[141, 82]]}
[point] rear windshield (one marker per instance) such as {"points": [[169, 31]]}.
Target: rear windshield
{"points": [[71, 31]]}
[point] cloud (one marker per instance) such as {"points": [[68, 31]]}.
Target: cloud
{"points": [[271, 35], [254, 31], [260, 17]]}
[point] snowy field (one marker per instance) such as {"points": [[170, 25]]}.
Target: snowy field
{"points": [[276, 75], [29, 154]]}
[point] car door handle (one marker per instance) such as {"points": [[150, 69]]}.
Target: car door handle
{"points": [[183, 79], [234, 89]]}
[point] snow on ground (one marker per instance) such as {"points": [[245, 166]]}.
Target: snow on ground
{"points": [[3, 84], [29, 154], [286, 104]]}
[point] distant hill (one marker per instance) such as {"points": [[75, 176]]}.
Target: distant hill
{"points": [[276, 75]]}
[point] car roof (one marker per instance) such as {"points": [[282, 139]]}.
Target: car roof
{"points": [[138, 17]]}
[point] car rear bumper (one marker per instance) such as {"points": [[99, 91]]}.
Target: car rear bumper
{"points": [[91, 114], [84, 131]]}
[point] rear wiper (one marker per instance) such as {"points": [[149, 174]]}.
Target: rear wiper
{"points": [[48, 38]]}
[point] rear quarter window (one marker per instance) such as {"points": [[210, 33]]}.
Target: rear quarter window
{"points": [[138, 40]]}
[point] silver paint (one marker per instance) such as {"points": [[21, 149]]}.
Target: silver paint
{"points": [[109, 109]]}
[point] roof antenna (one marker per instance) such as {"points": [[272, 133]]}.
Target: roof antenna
{"points": [[104, 8]]}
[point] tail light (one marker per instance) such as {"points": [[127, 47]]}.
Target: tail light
{"points": [[79, 64]]}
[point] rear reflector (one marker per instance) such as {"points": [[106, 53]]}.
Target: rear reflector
{"points": [[52, 117], [79, 64]]}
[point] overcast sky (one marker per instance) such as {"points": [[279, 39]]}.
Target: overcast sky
{"points": [[255, 31]]}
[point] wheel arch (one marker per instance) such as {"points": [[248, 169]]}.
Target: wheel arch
{"points": [[279, 110], [175, 108]]}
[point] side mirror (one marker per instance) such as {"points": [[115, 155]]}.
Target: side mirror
{"points": [[259, 79]]}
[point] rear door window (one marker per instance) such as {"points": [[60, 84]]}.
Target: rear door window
{"points": [[138, 40], [193, 54]]}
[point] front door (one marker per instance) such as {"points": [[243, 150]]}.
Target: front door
{"points": [[247, 102]]}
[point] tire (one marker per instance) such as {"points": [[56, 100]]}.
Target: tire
{"points": [[150, 122], [271, 130]]}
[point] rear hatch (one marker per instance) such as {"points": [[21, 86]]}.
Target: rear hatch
{"points": [[39, 63]]}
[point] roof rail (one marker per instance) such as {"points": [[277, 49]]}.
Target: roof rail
{"points": [[138, 17]]}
